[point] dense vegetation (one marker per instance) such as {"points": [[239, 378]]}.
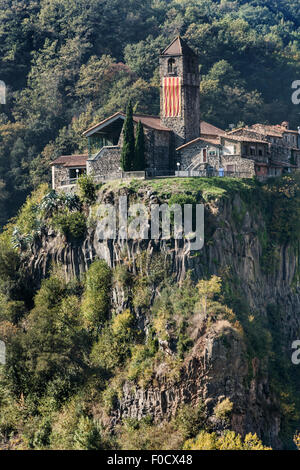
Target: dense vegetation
{"points": [[69, 350], [69, 63]]}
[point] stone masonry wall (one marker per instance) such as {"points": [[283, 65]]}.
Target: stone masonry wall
{"points": [[61, 174], [107, 162], [193, 153]]}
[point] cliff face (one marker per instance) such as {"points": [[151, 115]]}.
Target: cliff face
{"points": [[219, 365]]}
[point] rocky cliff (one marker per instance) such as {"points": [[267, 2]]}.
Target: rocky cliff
{"points": [[264, 291]]}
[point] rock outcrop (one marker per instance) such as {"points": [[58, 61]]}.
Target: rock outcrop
{"points": [[218, 366]]}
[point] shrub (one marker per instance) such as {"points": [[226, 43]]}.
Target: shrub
{"points": [[115, 341], [41, 437], [141, 365], [29, 213], [87, 435], [297, 440], [190, 419], [71, 224], [227, 441], [96, 298], [223, 409], [50, 203], [182, 199], [87, 189]]}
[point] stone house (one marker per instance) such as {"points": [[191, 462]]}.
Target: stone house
{"points": [[105, 144], [283, 145], [224, 155], [178, 141], [67, 168]]}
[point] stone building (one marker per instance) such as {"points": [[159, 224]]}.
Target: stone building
{"points": [[179, 91], [178, 141], [105, 144], [283, 145], [67, 168]]}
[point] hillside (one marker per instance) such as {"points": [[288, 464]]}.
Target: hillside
{"points": [[142, 345], [68, 64]]}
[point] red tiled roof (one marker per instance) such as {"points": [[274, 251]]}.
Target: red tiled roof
{"points": [[71, 160], [265, 129], [210, 140], [271, 130], [275, 130], [206, 128], [241, 138], [153, 122]]}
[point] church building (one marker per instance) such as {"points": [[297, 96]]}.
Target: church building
{"points": [[177, 142]]}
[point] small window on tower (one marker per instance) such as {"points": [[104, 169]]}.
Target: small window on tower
{"points": [[171, 65]]}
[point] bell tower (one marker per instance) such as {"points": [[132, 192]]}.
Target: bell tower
{"points": [[179, 92]]}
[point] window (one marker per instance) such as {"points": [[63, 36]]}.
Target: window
{"points": [[171, 65], [252, 151], [260, 152], [75, 172]]}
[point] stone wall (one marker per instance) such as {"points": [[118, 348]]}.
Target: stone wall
{"points": [[60, 175], [246, 166], [106, 163], [192, 155], [279, 149]]}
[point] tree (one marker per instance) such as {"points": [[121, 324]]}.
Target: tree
{"points": [[229, 440], [139, 150], [127, 155], [96, 297]]}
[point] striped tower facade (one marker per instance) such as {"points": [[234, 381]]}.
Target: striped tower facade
{"points": [[180, 93]]}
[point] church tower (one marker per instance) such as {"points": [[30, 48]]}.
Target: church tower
{"points": [[179, 93]]}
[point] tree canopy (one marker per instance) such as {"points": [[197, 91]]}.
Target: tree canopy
{"points": [[68, 64]]}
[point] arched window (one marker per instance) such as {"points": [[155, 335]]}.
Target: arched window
{"points": [[171, 63]]}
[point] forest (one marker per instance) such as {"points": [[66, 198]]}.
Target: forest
{"points": [[94, 332], [68, 64]]}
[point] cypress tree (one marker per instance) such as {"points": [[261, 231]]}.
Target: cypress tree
{"points": [[127, 154], [139, 150]]}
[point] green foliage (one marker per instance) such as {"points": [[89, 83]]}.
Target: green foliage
{"points": [[71, 224], [53, 201], [53, 349], [182, 199], [87, 435], [28, 217], [114, 342], [222, 410], [139, 149], [62, 60], [87, 189], [190, 420], [128, 148], [227, 441], [96, 297], [41, 437]]}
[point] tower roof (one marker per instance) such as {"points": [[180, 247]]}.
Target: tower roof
{"points": [[178, 47]]}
